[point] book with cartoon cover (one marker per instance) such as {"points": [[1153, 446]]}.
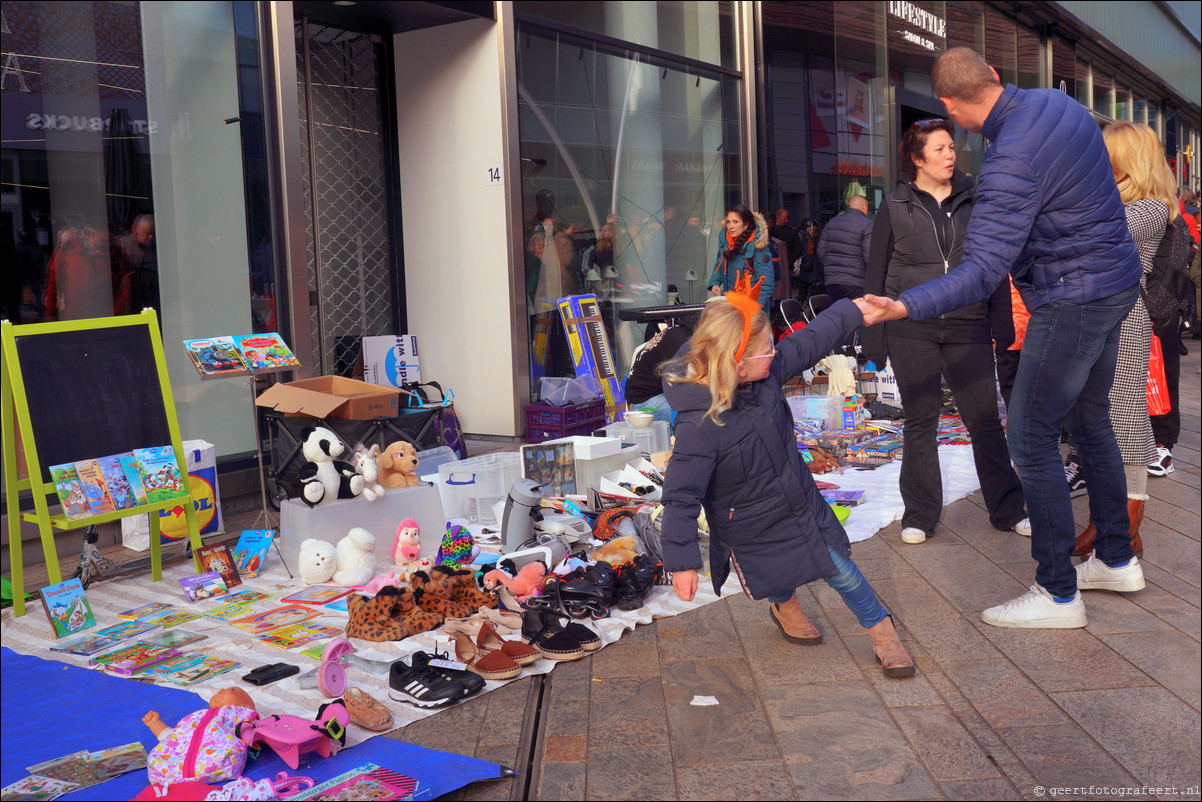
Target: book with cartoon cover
{"points": [[298, 634], [117, 760], [94, 487], [72, 768], [133, 658], [198, 671], [248, 597], [317, 594], [217, 557], [368, 781], [266, 621], [159, 472], [70, 491], [203, 586], [128, 629], [36, 787], [215, 356], [117, 482], [172, 618], [174, 638], [144, 610], [87, 645], [67, 607], [129, 465], [261, 351], [250, 553]]}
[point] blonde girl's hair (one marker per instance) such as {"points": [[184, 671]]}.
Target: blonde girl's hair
{"points": [[710, 360], [1137, 157]]}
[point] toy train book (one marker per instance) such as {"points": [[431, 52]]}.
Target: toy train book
{"points": [[67, 607], [203, 586], [70, 491], [260, 351], [251, 551], [589, 342], [298, 634], [215, 356], [94, 487], [159, 472], [367, 781], [217, 557], [129, 464], [133, 658], [117, 482]]}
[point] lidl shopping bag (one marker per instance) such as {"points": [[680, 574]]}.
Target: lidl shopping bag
{"points": [[201, 458]]}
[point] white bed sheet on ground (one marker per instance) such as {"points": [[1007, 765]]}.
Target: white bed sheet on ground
{"points": [[30, 634]]}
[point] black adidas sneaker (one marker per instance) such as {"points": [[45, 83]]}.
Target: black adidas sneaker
{"points": [[422, 686], [449, 669]]}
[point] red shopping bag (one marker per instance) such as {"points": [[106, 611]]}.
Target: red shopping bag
{"points": [[1158, 385]]}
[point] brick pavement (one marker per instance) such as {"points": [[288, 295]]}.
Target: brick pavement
{"points": [[992, 713]]}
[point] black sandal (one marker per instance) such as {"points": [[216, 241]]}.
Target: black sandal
{"points": [[542, 631]]}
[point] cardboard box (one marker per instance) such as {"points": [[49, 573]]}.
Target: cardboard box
{"points": [[331, 397], [391, 360]]}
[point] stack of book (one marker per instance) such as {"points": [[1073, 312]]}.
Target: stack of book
{"points": [[117, 482]]}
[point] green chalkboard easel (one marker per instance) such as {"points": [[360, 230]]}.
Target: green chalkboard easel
{"points": [[82, 389]]}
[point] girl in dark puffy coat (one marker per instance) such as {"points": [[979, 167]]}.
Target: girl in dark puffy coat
{"points": [[735, 455]]}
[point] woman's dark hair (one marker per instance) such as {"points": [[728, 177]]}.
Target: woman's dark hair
{"points": [[915, 140], [748, 219]]}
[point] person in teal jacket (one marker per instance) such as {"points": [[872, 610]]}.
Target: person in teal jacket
{"points": [[743, 248]]}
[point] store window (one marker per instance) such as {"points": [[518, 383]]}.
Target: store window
{"points": [[1122, 102], [123, 187], [1000, 46], [1028, 50], [628, 166], [1084, 83], [1064, 74], [1103, 93], [1154, 116], [1139, 111]]}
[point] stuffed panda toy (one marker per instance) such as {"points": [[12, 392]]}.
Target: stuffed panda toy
{"points": [[324, 477]]}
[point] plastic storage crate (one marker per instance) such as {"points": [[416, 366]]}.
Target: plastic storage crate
{"points": [[825, 408], [545, 422], [469, 488]]}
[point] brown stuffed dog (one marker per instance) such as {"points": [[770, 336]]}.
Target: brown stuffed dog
{"points": [[618, 551], [397, 465]]}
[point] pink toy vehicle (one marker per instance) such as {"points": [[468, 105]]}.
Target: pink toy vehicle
{"points": [[289, 736]]}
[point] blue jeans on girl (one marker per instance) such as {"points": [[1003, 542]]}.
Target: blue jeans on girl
{"points": [[853, 587]]}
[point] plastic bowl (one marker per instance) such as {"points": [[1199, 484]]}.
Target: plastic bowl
{"points": [[639, 420]]}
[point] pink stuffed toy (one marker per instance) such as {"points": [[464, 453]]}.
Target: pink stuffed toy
{"points": [[528, 582], [380, 582], [407, 547]]}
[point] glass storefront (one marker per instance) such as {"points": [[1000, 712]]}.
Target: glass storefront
{"points": [[123, 182], [628, 163]]}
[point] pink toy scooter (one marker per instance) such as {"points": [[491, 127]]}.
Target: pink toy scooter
{"points": [[289, 736]]}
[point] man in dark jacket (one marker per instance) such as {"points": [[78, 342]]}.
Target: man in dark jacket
{"points": [[1048, 212], [789, 236], [843, 250]]}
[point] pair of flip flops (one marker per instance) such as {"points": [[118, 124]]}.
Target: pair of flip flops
{"points": [[366, 711]]}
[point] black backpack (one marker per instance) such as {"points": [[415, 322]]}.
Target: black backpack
{"points": [[1169, 287]]}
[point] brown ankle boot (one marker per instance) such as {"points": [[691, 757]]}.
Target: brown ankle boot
{"points": [[1135, 511], [889, 651], [793, 622]]}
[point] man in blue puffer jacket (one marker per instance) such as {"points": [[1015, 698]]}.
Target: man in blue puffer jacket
{"points": [[1048, 212], [843, 250]]}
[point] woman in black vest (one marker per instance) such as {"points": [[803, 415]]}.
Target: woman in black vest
{"points": [[918, 234]]}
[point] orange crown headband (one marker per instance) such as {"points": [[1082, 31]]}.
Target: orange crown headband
{"points": [[745, 298]]}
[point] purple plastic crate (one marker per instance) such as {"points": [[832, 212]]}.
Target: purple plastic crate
{"points": [[545, 422]]}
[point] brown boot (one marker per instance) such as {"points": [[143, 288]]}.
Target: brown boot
{"points": [[889, 651], [793, 622], [1135, 511]]}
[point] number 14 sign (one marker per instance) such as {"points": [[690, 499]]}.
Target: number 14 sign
{"points": [[492, 174]]}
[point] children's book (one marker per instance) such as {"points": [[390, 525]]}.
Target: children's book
{"points": [[70, 491], [144, 610], [317, 594], [87, 645], [134, 658], [298, 634], [266, 621], [215, 356], [99, 500], [338, 605], [118, 760], [129, 464], [72, 768], [261, 351], [203, 586], [35, 787], [251, 551], [67, 607], [159, 472], [172, 618], [174, 638], [314, 651], [217, 557], [115, 480], [228, 611], [246, 598], [189, 669], [128, 629], [844, 498], [367, 781]]}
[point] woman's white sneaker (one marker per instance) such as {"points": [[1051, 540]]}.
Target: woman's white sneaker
{"points": [[1023, 527], [912, 534], [1036, 609], [1093, 574]]}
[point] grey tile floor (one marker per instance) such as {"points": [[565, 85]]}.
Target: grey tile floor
{"points": [[1112, 709]]}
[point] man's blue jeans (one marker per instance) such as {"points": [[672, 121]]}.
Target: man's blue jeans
{"points": [[1064, 377], [853, 587]]}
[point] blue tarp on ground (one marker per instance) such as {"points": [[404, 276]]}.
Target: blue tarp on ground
{"points": [[51, 709]]}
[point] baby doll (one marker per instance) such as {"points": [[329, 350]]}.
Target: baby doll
{"points": [[203, 746], [407, 548]]}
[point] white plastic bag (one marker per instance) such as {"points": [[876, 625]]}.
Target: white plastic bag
{"points": [[886, 386]]}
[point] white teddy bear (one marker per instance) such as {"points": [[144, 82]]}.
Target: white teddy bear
{"points": [[325, 477], [351, 562]]}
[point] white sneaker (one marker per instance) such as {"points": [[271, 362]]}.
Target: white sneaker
{"points": [[1093, 574], [912, 534], [1023, 527], [1036, 609]]}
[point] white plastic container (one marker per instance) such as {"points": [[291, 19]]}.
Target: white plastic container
{"points": [[470, 487], [826, 408], [429, 461], [656, 437]]}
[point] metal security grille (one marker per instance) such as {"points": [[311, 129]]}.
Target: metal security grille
{"points": [[346, 231]]}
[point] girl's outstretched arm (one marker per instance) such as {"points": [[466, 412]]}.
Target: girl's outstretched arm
{"points": [[803, 349]]}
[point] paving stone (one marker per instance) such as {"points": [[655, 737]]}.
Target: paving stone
{"points": [[943, 744], [564, 781], [565, 749], [764, 780], [910, 599], [775, 661], [963, 575], [1065, 659], [1064, 755], [1115, 612], [1171, 658], [627, 660], [734, 730], [494, 790], [698, 634], [635, 773], [1149, 731], [1177, 554], [567, 718], [906, 691], [951, 639], [1189, 624], [979, 789], [502, 725], [1002, 694]]}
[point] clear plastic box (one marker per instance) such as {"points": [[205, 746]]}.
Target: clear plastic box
{"points": [[429, 461], [656, 437], [469, 488], [826, 408]]}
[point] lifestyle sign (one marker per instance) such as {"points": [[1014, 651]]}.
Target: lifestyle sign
{"points": [[932, 28]]}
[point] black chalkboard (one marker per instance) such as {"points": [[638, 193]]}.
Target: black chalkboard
{"points": [[92, 393]]}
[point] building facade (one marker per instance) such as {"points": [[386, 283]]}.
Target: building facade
{"points": [[334, 170]]}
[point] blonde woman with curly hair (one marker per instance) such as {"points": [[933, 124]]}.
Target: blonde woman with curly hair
{"points": [[1149, 195], [735, 455]]}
